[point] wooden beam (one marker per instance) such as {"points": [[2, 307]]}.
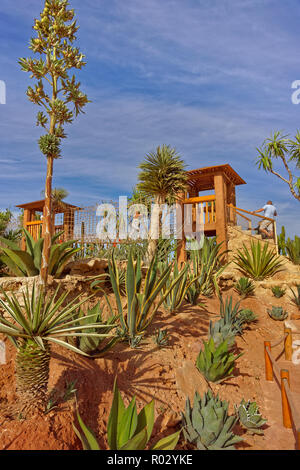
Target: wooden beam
{"points": [[221, 219], [194, 200]]}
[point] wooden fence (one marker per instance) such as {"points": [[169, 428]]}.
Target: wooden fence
{"points": [[290, 415]]}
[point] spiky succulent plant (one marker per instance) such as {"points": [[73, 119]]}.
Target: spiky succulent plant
{"points": [[126, 429], [32, 325], [296, 296], [278, 292], [207, 425], [95, 346], [220, 332], [216, 363], [161, 338], [247, 316], [250, 417], [277, 313], [244, 287]]}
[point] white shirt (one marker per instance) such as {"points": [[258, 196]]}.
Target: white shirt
{"points": [[269, 211]]}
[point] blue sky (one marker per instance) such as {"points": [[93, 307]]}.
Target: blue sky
{"points": [[209, 77]]}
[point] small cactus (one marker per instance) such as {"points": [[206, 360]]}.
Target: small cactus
{"points": [[247, 316], [207, 425], [296, 296], [244, 287], [220, 331], [216, 363], [161, 338], [278, 292], [250, 417], [277, 313]]}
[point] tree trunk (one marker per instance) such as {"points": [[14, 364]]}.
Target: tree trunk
{"points": [[32, 375], [152, 242], [47, 224]]}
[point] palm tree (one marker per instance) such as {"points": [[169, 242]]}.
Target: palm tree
{"points": [[162, 176], [57, 195]]}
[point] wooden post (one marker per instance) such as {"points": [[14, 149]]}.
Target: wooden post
{"points": [[26, 219], [180, 250], [288, 350], [221, 216], [286, 411], [268, 363]]}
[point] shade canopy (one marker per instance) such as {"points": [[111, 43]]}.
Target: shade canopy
{"points": [[38, 206], [202, 179]]}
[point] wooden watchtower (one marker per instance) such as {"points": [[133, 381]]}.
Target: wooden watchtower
{"points": [[221, 181], [33, 219]]}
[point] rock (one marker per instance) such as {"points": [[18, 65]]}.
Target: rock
{"points": [[170, 420], [86, 267], [189, 380]]}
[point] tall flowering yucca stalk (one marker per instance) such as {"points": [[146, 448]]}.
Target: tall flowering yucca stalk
{"points": [[55, 91]]}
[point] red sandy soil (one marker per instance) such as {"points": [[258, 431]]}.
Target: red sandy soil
{"points": [[149, 372]]}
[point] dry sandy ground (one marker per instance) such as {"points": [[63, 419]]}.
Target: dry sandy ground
{"points": [[166, 374]]}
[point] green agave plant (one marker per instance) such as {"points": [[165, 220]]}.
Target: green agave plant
{"points": [[296, 296], [230, 324], [142, 298], [230, 314], [220, 332], [176, 296], [28, 263], [207, 268], [161, 338], [293, 250], [250, 417], [277, 313], [278, 292], [259, 262], [244, 287], [207, 425], [127, 429], [216, 363], [32, 326], [95, 346]]}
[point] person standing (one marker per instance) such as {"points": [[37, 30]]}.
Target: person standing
{"points": [[266, 227]]}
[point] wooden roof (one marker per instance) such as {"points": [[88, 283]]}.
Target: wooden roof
{"points": [[203, 178], [39, 206]]}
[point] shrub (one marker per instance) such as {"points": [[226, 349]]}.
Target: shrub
{"points": [[258, 263], [28, 263], [216, 363], [126, 430], [207, 425]]}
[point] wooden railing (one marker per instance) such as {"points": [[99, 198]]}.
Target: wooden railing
{"points": [[35, 228], [205, 206], [290, 415], [233, 212]]}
